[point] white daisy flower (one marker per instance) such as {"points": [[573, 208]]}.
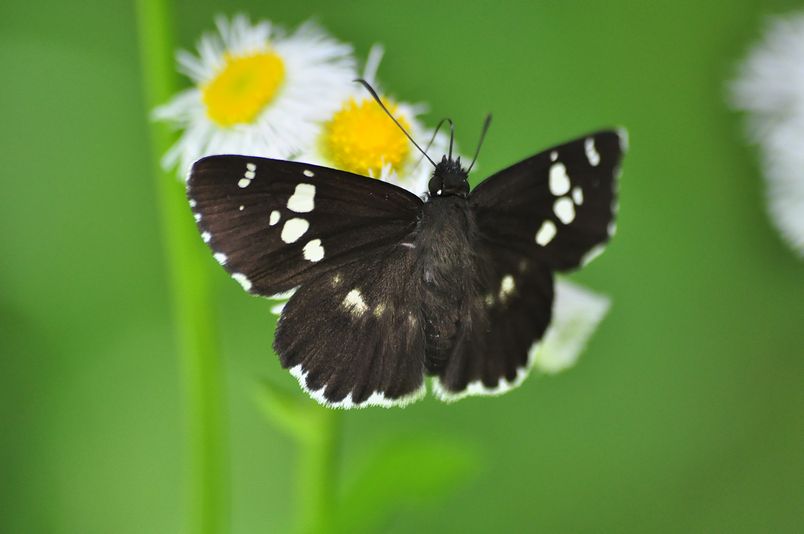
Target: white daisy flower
{"points": [[770, 87], [359, 137], [257, 91], [576, 313]]}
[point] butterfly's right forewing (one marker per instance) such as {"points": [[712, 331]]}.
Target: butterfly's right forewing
{"points": [[558, 205]]}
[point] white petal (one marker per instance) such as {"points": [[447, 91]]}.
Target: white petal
{"points": [[576, 313], [770, 87], [318, 76]]}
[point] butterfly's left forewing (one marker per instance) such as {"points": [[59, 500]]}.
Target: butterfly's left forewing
{"points": [[276, 224], [349, 333]]}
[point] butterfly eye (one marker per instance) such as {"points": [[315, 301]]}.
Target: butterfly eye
{"points": [[449, 178]]}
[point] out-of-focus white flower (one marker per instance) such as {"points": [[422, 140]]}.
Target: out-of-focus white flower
{"points": [[770, 87], [359, 137], [257, 91], [576, 314]]}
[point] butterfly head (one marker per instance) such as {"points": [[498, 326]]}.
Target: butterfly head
{"points": [[449, 178]]}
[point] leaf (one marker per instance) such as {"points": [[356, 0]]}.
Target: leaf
{"points": [[293, 413], [410, 473]]}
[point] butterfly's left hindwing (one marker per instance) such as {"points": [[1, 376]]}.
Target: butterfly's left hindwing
{"points": [[558, 205], [355, 336], [276, 224]]}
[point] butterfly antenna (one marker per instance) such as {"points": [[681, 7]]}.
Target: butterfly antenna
{"points": [[451, 137], [435, 132], [486, 124], [371, 90]]}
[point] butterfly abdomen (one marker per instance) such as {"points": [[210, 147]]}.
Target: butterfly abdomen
{"points": [[446, 268]]}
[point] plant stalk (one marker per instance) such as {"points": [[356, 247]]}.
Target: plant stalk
{"points": [[207, 492], [316, 485]]}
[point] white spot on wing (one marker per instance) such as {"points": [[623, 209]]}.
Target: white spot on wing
{"points": [[241, 208], [553, 155], [284, 295], [546, 233], [250, 175], [251, 167], [564, 210], [308, 173], [506, 286], [302, 199], [559, 181], [591, 151], [243, 183], [206, 236], [354, 302], [193, 203], [197, 217], [593, 253], [313, 251], [577, 195], [242, 280], [220, 257], [274, 218], [294, 229]]}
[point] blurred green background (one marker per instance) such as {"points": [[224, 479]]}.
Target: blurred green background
{"points": [[684, 414]]}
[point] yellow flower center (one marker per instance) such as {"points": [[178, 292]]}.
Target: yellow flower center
{"points": [[244, 86], [361, 138]]}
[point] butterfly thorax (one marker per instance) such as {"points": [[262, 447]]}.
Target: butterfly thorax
{"points": [[449, 178], [446, 269]]}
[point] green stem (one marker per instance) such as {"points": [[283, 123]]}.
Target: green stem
{"points": [[316, 485], [207, 478]]}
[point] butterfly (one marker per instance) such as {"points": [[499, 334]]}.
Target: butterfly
{"points": [[386, 287]]}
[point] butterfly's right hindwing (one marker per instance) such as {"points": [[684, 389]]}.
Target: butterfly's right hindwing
{"points": [[507, 311]]}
